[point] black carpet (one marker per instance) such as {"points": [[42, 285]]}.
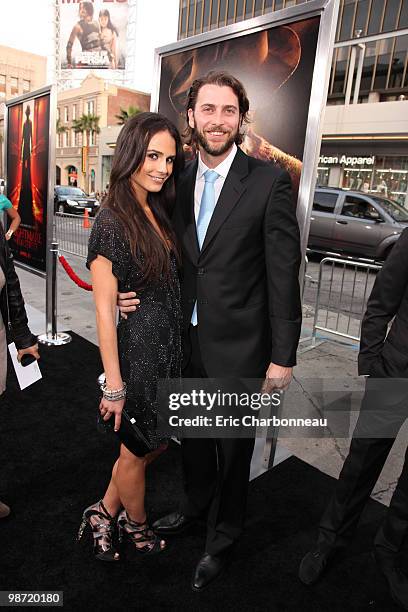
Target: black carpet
{"points": [[54, 463]]}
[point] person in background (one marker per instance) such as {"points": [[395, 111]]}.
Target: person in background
{"points": [[6, 205], [109, 37], [13, 324], [384, 410]]}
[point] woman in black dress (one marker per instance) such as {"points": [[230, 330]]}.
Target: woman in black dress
{"points": [[132, 248]]}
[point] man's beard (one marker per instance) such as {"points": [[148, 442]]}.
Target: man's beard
{"points": [[214, 149]]}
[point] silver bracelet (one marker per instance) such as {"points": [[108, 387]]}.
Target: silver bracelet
{"points": [[113, 395]]}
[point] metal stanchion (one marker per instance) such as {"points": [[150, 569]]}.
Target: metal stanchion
{"points": [[51, 336]]}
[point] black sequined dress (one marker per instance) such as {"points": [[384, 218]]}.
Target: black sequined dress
{"points": [[149, 340]]}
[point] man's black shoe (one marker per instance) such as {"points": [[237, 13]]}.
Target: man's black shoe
{"points": [[397, 581], [172, 523], [208, 569], [313, 564]]}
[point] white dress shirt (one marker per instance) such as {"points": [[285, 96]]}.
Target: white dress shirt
{"points": [[222, 169]]}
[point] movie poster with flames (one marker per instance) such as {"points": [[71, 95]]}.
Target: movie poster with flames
{"points": [[27, 177], [276, 67]]}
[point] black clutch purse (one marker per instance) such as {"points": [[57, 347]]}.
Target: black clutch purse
{"points": [[130, 433]]}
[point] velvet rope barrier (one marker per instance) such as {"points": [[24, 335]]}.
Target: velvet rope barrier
{"points": [[78, 281]]}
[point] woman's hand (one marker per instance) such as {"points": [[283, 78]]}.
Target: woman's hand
{"points": [[108, 408], [31, 350]]}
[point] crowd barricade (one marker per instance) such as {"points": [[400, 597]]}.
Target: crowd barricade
{"points": [[343, 289], [72, 233]]}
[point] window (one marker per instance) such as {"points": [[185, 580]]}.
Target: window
{"points": [[65, 139], [347, 19], [183, 20], [26, 85], [214, 12], [368, 67], [223, 8], [249, 7], [258, 8], [66, 115], [403, 18], [92, 138], [231, 11], [2, 84], [74, 112], [90, 107], [206, 15], [73, 143], [340, 70], [59, 143], [359, 209], [375, 16], [383, 61], [391, 15], [240, 8], [13, 86], [324, 201], [361, 16], [191, 18], [398, 62], [199, 11]]}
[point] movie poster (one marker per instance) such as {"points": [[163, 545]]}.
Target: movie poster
{"points": [[276, 67], [93, 34], [28, 126]]}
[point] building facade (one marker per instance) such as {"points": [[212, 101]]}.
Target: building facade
{"points": [[365, 132], [20, 73], [79, 158]]}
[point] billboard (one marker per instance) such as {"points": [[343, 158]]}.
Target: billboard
{"points": [[27, 157], [93, 34], [275, 66], [283, 60]]}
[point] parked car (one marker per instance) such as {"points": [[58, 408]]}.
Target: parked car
{"points": [[74, 201], [365, 225]]}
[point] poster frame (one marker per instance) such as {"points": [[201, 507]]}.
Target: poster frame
{"points": [[49, 90], [327, 10]]}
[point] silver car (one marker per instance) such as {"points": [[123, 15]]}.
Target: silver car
{"points": [[355, 223]]}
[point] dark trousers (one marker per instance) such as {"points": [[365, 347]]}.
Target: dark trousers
{"points": [[358, 476], [216, 475]]}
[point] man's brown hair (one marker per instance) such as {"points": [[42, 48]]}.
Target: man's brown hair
{"points": [[223, 79]]}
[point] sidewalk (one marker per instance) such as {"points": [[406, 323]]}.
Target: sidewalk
{"points": [[330, 359]]}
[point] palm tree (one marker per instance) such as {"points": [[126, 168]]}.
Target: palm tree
{"points": [[126, 114], [61, 129], [86, 124]]}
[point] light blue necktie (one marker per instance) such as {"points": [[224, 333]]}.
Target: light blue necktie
{"points": [[207, 206]]}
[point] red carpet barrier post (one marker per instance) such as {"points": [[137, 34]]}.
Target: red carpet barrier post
{"points": [[52, 337]]}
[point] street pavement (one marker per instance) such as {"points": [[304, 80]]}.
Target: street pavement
{"points": [[331, 359]]}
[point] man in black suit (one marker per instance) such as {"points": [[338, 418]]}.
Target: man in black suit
{"points": [[237, 226], [383, 411]]}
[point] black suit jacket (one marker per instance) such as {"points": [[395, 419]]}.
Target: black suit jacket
{"points": [[245, 279], [388, 298]]}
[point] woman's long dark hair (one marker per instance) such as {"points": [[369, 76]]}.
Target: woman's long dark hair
{"points": [[131, 146], [106, 13]]}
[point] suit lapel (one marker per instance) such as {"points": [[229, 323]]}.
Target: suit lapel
{"points": [[231, 192], [186, 198]]}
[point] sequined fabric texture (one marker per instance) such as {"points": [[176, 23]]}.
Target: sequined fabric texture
{"points": [[149, 340]]}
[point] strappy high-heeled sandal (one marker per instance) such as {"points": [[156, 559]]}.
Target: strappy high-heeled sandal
{"points": [[140, 534], [102, 525]]}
